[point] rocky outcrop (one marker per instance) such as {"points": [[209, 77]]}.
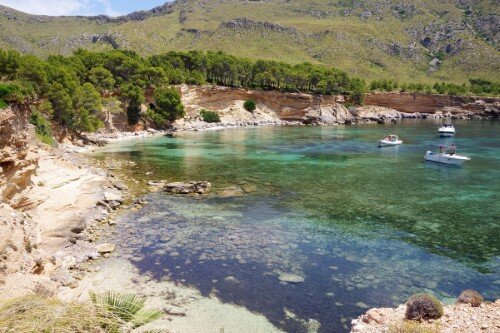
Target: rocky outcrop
{"points": [[273, 108], [279, 108], [487, 107], [192, 187], [244, 23], [18, 161], [456, 319], [329, 114], [20, 238], [49, 206]]}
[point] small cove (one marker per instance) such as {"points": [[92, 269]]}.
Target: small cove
{"points": [[363, 226]]}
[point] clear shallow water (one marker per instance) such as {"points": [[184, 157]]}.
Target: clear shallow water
{"points": [[364, 226]]}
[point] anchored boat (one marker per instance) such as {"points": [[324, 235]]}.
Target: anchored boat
{"points": [[446, 155], [388, 141], [446, 130]]}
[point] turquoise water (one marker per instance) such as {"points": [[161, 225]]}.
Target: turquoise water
{"points": [[364, 226]]}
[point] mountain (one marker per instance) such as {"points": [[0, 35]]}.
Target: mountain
{"points": [[422, 40]]}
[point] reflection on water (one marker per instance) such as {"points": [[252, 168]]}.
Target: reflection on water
{"points": [[364, 226]]}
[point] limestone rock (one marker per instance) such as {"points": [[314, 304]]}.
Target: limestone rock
{"points": [[105, 248], [62, 276], [20, 238], [113, 196], [119, 184], [193, 187], [18, 158]]}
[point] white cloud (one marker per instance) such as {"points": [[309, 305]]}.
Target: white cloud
{"points": [[62, 7], [108, 9]]}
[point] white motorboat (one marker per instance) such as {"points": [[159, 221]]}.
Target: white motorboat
{"points": [[391, 140], [446, 130], [446, 155]]}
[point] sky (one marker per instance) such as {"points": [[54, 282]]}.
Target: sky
{"points": [[81, 7]]}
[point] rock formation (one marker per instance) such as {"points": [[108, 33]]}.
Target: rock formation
{"points": [[18, 160], [19, 235], [487, 107], [279, 108], [188, 187]]}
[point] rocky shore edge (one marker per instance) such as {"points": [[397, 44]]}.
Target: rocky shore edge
{"points": [[57, 209], [358, 116], [456, 318]]}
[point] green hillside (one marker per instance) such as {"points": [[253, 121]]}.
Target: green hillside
{"points": [[425, 40]]}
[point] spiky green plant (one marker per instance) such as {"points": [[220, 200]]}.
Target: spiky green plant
{"points": [[128, 307], [38, 313]]}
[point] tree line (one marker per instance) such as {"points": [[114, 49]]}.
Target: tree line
{"points": [[475, 87], [69, 89]]}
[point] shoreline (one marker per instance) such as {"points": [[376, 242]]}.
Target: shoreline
{"points": [[120, 136], [72, 263]]}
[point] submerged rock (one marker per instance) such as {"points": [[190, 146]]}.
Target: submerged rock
{"points": [[233, 191], [231, 279], [312, 326], [291, 278], [193, 187]]}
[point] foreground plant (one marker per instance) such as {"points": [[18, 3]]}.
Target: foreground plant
{"points": [[423, 306], [128, 307], [37, 313], [471, 297], [109, 313]]}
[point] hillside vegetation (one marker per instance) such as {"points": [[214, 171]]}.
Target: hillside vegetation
{"points": [[421, 41], [71, 91]]}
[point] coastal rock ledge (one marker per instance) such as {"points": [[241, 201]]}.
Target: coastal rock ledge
{"points": [[193, 187], [457, 318]]}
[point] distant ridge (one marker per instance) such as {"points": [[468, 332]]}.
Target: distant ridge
{"points": [[425, 40]]}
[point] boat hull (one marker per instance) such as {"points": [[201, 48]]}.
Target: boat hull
{"points": [[446, 159], [383, 143], [446, 134]]}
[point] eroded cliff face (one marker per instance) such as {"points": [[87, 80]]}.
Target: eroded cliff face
{"points": [[431, 104], [272, 107], [20, 238], [285, 108], [19, 235], [18, 160]]}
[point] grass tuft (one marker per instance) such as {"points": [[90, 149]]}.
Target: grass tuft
{"points": [[108, 313]]}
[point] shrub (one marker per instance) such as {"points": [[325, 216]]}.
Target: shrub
{"points": [[250, 105], [6, 91], [423, 306], [42, 128], [210, 116], [471, 297]]}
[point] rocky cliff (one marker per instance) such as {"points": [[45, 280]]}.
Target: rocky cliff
{"points": [[51, 203], [272, 107], [18, 161], [294, 108], [19, 235], [432, 104]]}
